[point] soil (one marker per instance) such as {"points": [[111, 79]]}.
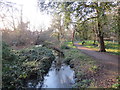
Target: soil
{"points": [[106, 76], [21, 47]]}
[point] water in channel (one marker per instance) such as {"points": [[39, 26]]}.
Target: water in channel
{"points": [[58, 77]]}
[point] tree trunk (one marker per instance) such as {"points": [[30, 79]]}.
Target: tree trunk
{"points": [[94, 42], [73, 37], [102, 45], [100, 37], [58, 37], [95, 35], [100, 33]]}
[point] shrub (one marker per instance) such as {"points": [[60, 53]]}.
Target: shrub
{"points": [[7, 53], [10, 70], [22, 66]]}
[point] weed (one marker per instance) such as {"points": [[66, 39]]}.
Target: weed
{"points": [[93, 68]]}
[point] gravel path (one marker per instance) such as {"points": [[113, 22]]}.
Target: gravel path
{"points": [[103, 57], [108, 61]]}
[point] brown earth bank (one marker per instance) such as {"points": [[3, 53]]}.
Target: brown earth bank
{"points": [[106, 73]]}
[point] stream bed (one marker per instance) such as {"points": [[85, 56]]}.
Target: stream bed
{"points": [[58, 77]]}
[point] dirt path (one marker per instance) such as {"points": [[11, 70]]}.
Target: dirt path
{"points": [[108, 74]]}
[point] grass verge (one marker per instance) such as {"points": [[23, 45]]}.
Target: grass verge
{"points": [[84, 67]]}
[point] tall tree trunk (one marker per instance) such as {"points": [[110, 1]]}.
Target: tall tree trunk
{"points": [[102, 45], [58, 37], [95, 35], [73, 36], [100, 12], [100, 37]]}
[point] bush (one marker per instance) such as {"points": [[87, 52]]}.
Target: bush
{"points": [[7, 54], [21, 66], [10, 70]]}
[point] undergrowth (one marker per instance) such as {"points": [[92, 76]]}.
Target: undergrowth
{"points": [[24, 65]]}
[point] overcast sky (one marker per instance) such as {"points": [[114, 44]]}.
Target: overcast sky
{"points": [[31, 13]]}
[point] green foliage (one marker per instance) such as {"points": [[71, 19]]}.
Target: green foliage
{"points": [[80, 73], [72, 53], [21, 66], [75, 54], [10, 70], [67, 60], [94, 68], [83, 84], [64, 47], [69, 44], [117, 85], [111, 45], [7, 53]]}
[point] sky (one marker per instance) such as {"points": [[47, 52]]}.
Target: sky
{"points": [[32, 13]]}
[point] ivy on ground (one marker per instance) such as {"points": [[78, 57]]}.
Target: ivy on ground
{"points": [[24, 65]]}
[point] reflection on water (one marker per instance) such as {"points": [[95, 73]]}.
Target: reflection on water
{"points": [[62, 78]]}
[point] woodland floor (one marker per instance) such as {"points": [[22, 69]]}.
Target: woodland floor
{"points": [[107, 75]]}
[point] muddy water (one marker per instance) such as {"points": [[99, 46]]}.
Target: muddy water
{"points": [[58, 77]]}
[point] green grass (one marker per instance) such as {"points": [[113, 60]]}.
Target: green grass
{"points": [[111, 47], [69, 44], [75, 54]]}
